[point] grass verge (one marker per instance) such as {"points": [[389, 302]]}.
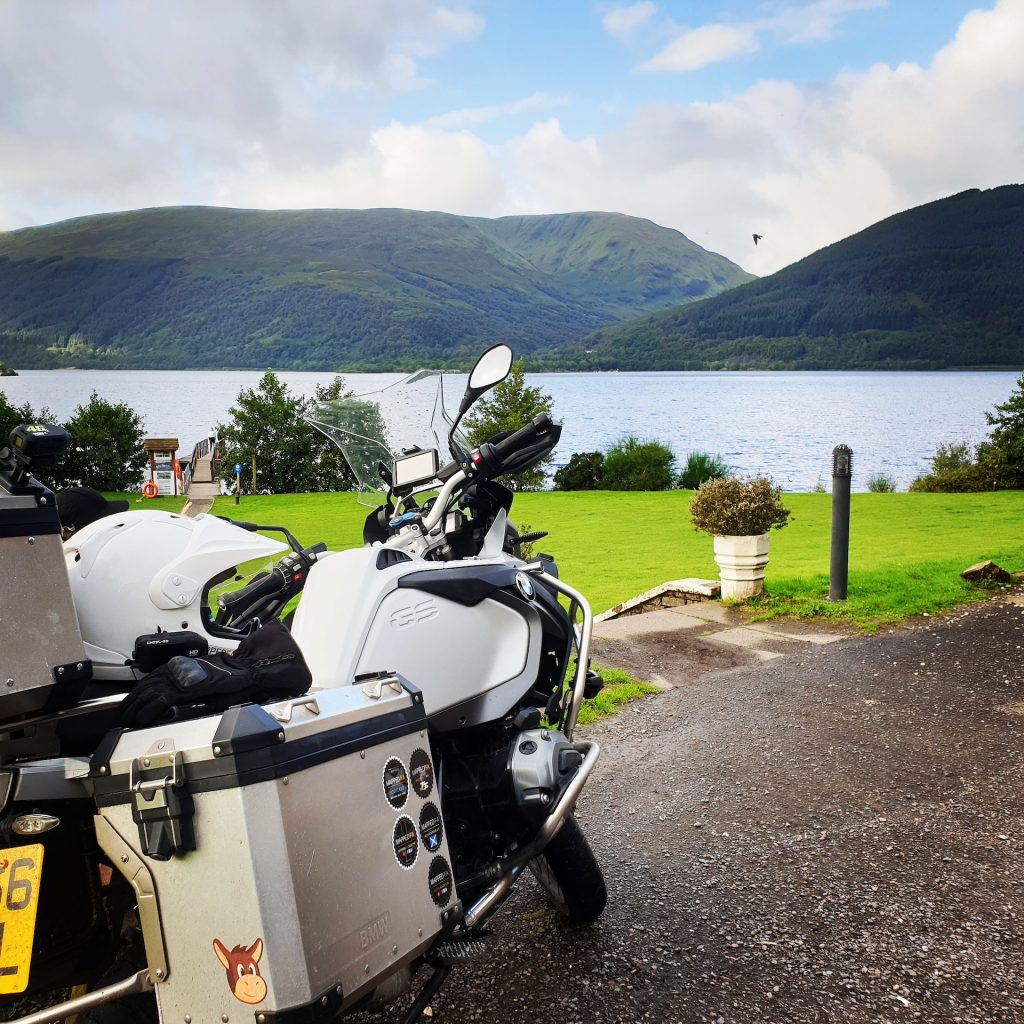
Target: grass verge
{"points": [[620, 688]]}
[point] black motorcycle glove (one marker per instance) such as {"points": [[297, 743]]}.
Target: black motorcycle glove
{"points": [[267, 666]]}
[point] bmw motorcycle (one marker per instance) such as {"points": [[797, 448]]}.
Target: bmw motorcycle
{"points": [[305, 858]]}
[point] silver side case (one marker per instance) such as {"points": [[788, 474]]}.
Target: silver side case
{"points": [[307, 888]]}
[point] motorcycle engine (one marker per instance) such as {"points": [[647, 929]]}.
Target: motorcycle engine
{"points": [[498, 786]]}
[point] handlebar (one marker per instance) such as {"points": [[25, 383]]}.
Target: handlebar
{"points": [[266, 586], [520, 450], [285, 580]]}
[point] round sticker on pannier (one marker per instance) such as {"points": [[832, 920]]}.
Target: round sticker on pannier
{"points": [[431, 827], [406, 843], [440, 881], [422, 772], [396, 783]]}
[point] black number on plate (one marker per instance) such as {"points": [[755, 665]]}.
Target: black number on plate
{"points": [[5, 972], [19, 890]]}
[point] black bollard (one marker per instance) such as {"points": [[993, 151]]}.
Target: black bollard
{"points": [[839, 567]]}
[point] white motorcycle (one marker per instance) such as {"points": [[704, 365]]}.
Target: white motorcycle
{"points": [[304, 857]]}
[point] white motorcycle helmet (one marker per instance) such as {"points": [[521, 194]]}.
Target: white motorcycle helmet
{"points": [[135, 573]]}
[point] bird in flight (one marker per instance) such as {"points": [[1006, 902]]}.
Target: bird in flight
{"points": [[757, 238]]}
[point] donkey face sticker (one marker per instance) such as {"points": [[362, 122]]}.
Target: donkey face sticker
{"points": [[242, 967]]}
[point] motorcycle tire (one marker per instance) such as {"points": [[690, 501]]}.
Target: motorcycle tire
{"points": [[570, 875]]}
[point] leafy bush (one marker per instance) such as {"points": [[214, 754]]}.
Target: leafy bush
{"points": [[955, 470], [581, 473], [508, 407], [881, 483], [738, 507], [106, 448], [701, 466], [634, 465], [995, 463]]}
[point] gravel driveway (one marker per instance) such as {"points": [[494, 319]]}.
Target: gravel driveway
{"points": [[835, 835]]}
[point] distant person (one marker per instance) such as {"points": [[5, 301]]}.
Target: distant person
{"points": [[77, 507]]}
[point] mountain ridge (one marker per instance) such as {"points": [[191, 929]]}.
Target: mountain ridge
{"points": [[323, 289]]}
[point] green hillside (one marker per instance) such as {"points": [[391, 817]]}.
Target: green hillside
{"points": [[941, 285], [325, 289]]}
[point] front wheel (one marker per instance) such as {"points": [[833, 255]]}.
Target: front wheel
{"points": [[569, 873]]}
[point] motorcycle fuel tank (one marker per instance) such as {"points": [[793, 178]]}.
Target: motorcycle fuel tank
{"points": [[472, 647]]}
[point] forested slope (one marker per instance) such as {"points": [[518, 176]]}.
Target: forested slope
{"points": [[941, 285]]}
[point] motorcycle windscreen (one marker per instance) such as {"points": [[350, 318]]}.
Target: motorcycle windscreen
{"points": [[375, 427]]}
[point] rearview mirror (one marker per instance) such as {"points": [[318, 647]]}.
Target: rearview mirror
{"points": [[490, 369]]}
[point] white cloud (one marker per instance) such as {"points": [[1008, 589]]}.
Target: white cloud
{"points": [[691, 49], [461, 24], [625, 22], [137, 102], [401, 165], [817, 21], [471, 117], [697, 48]]}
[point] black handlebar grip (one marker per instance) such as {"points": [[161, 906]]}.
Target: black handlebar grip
{"points": [[267, 586], [539, 425]]}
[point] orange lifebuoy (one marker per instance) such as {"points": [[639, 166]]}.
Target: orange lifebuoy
{"points": [[150, 490]]}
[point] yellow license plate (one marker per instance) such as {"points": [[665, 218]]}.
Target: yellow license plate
{"points": [[20, 871]]}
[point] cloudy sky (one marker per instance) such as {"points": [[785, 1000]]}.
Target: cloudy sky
{"points": [[800, 120]]}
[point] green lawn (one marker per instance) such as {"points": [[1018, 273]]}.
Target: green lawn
{"points": [[907, 550]]}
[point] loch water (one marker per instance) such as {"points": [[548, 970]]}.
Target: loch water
{"points": [[781, 423]]}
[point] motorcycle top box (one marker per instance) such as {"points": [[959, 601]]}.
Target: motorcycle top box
{"points": [[294, 853]]}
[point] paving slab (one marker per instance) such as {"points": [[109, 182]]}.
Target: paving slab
{"points": [[755, 639], [710, 611], [808, 637], [663, 620]]}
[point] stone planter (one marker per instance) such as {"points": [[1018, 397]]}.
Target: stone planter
{"points": [[741, 563]]}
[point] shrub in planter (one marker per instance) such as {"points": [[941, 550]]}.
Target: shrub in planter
{"points": [[581, 473], [738, 513], [738, 507]]}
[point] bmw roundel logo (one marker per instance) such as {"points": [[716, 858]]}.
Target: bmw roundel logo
{"points": [[525, 586]]}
